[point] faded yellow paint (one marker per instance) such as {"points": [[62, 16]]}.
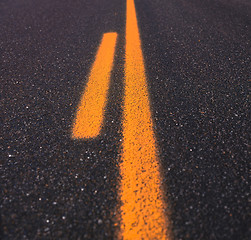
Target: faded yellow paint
{"points": [[90, 114], [142, 210]]}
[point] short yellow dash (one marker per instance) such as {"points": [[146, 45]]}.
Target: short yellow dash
{"points": [[142, 210], [90, 114]]}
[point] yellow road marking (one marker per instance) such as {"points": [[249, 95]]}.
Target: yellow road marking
{"points": [[90, 114], [142, 210]]}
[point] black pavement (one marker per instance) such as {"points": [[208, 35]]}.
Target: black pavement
{"points": [[198, 63]]}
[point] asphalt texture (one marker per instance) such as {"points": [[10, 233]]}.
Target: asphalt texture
{"points": [[198, 63]]}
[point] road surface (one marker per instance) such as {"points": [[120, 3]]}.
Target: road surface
{"points": [[125, 120]]}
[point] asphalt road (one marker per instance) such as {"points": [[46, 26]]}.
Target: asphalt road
{"points": [[197, 57]]}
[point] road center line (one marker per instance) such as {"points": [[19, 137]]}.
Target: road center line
{"points": [[142, 210], [90, 114]]}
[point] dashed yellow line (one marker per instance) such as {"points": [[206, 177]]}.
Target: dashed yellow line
{"points": [[90, 114], [142, 210]]}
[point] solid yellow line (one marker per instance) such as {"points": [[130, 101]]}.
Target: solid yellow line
{"points": [[90, 114], [142, 210]]}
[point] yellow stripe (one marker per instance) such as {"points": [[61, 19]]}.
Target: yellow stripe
{"points": [[90, 114], [142, 210]]}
